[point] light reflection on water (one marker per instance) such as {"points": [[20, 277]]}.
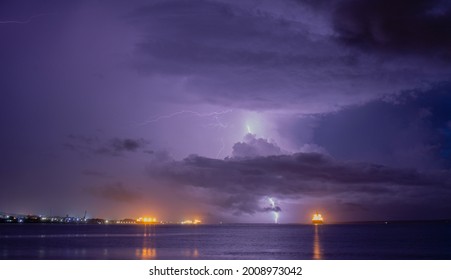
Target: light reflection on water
{"points": [[146, 253], [316, 244], [143, 242], [225, 242], [148, 250]]}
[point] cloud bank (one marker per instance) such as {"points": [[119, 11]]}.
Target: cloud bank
{"points": [[297, 55], [246, 180]]}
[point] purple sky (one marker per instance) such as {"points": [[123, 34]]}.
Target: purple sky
{"points": [[205, 109]]}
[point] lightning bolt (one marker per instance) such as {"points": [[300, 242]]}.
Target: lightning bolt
{"points": [[276, 214], [222, 148], [218, 123], [248, 128], [24, 21], [215, 114]]}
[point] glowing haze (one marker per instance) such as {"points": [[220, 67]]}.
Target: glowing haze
{"points": [[226, 111]]}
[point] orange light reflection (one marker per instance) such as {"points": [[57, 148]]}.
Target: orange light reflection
{"points": [[316, 245]]}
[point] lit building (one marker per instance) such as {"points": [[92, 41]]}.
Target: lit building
{"points": [[317, 219]]}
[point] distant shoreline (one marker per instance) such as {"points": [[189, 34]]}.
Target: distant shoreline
{"points": [[439, 221]]}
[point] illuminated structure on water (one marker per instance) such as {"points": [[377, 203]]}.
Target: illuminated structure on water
{"points": [[317, 219]]}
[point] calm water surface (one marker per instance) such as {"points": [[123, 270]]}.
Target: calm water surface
{"points": [[379, 241]]}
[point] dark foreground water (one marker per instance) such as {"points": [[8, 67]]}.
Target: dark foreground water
{"points": [[346, 242]]}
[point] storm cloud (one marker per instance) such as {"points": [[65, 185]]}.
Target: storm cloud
{"points": [[343, 105], [253, 146], [298, 175], [409, 131], [263, 58], [419, 26]]}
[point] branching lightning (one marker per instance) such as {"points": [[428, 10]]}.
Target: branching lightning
{"points": [[218, 123], [216, 115], [163, 117]]}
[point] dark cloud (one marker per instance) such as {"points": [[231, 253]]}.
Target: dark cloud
{"points": [[256, 57], [118, 146], [253, 146], [237, 202], [272, 209], [114, 147], [115, 192], [243, 181], [410, 131], [129, 145], [417, 26]]}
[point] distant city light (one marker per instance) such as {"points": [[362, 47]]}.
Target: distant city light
{"points": [[191, 222], [146, 220]]}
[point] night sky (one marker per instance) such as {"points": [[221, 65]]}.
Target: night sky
{"points": [[206, 109]]}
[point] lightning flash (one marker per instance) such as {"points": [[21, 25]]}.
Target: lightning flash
{"points": [[275, 209], [248, 128]]}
